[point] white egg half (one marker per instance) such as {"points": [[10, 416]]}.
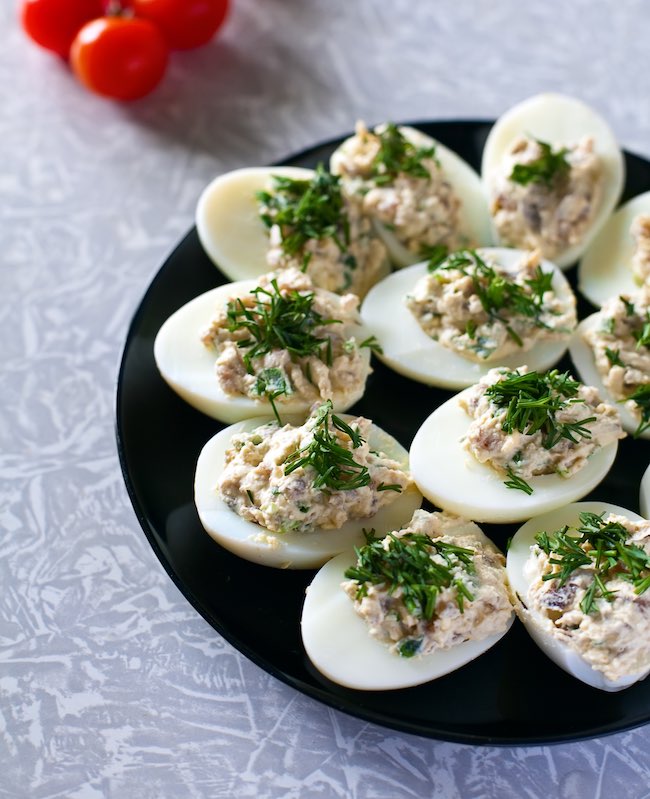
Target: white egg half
{"points": [[453, 479], [188, 366], [474, 222], [409, 351], [228, 221], [289, 550], [606, 267], [518, 553], [583, 358], [560, 120], [337, 642], [644, 494]]}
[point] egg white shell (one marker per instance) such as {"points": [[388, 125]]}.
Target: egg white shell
{"points": [[474, 221], [228, 221], [409, 351], [606, 267], [188, 366], [337, 642], [560, 120], [289, 550], [518, 553], [644, 494], [453, 479], [583, 358]]}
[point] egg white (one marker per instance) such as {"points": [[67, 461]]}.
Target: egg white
{"points": [[228, 221], [453, 479], [560, 120], [289, 550], [474, 222], [337, 641], [409, 351], [644, 494], [606, 267], [518, 553], [583, 358], [188, 366]]}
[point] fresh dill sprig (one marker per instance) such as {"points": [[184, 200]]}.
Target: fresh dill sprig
{"points": [[641, 396], [532, 401], [279, 321], [497, 293], [306, 210], [517, 483], [550, 165], [272, 383], [408, 564], [614, 357], [603, 548], [630, 310], [397, 155], [373, 345], [434, 255], [642, 336], [333, 462]]}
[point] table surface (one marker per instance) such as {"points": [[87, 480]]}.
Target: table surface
{"points": [[111, 685]]}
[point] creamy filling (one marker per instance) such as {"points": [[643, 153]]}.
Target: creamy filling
{"points": [[641, 258]]}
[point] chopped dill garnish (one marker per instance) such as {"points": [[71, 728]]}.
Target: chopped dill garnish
{"points": [[306, 210], [601, 547], [279, 321], [332, 461], [517, 482], [390, 487], [642, 336], [497, 293], [408, 564], [434, 255], [614, 357], [250, 496], [397, 155], [550, 165], [532, 401], [373, 345], [629, 306], [642, 398], [272, 383]]}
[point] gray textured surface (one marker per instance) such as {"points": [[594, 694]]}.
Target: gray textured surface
{"points": [[110, 684]]}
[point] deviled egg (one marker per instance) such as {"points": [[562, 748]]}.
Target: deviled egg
{"points": [[516, 444], [295, 495], [411, 607], [618, 260], [447, 322], [554, 173], [258, 219], [244, 348], [419, 194], [580, 574], [611, 350]]}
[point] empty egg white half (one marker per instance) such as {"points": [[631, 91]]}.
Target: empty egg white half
{"points": [[337, 641], [289, 550], [453, 479], [411, 352], [474, 224], [518, 553], [583, 358], [606, 267], [559, 120], [188, 366]]}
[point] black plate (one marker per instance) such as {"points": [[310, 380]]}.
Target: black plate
{"points": [[511, 695]]}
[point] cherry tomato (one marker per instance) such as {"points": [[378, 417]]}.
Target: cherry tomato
{"points": [[54, 23], [119, 57], [185, 23]]}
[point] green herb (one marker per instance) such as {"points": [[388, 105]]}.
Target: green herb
{"points": [[250, 496], [614, 357], [408, 563], [434, 255], [390, 487], [608, 325], [642, 336], [545, 169], [306, 210], [600, 546], [517, 483], [629, 306], [279, 322], [532, 401], [470, 328], [333, 463], [373, 345], [642, 398], [398, 156], [272, 383], [498, 294], [408, 647]]}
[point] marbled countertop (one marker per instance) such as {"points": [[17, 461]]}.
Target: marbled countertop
{"points": [[111, 685]]}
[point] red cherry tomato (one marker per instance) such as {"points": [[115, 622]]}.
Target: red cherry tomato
{"points": [[119, 57], [185, 23], [54, 23]]}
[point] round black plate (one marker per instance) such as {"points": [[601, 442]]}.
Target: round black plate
{"points": [[511, 695]]}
